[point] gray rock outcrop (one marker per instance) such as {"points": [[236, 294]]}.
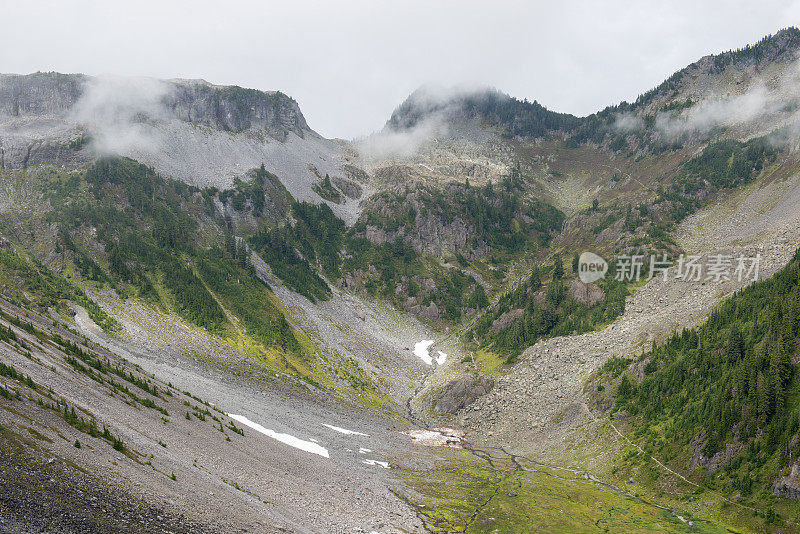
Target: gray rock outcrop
{"points": [[788, 485], [462, 392], [586, 294]]}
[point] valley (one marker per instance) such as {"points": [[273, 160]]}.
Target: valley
{"points": [[213, 319]]}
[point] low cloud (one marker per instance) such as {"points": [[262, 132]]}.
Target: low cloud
{"points": [[403, 143], [116, 111], [769, 101], [716, 111], [429, 113], [628, 122]]}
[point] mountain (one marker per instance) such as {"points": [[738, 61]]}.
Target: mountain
{"points": [[230, 108], [748, 91], [213, 319], [773, 52], [196, 132], [489, 106]]}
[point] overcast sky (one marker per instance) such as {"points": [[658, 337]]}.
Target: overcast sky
{"points": [[350, 63]]}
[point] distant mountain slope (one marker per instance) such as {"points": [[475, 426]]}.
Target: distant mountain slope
{"points": [[202, 134], [167, 221], [740, 93], [488, 105], [780, 48], [736, 94]]}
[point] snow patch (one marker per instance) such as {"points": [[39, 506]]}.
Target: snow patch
{"points": [[368, 461], [421, 351], [438, 437], [363, 450], [344, 430], [287, 439]]}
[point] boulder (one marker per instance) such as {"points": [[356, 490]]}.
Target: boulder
{"points": [[429, 312], [507, 318], [462, 392], [788, 485], [350, 189], [586, 294]]}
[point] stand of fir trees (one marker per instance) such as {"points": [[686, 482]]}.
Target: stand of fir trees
{"points": [[732, 380]]}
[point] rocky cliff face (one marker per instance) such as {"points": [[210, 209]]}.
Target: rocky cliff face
{"points": [[31, 130], [39, 94], [236, 109], [229, 108], [788, 485], [191, 130]]}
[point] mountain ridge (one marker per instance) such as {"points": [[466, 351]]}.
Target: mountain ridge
{"points": [[164, 242], [227, 107]]}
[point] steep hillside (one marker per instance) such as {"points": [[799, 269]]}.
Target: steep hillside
{"points": [[241, 325], [190, 130], [724, 393], [488, 106], [737, 94]]}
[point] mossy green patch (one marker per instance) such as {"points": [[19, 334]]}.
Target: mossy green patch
{"points": [[469, 494]]}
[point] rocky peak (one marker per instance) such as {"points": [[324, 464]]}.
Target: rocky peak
{"points": [[783, 47], [428, 101], [41, 93], [236, 109], [229, 108], [486, 105]]}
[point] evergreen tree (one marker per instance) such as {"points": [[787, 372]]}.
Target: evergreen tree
{"points": [[535, 281], [625, 388], [230, 244], [735, 349], [478, 300], [558, 268]]}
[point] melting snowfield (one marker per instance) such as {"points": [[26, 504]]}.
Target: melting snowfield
{"points": [[385, 465], [361, 450], [344, 430], [421, 352], [288, 439], [438, 437]]}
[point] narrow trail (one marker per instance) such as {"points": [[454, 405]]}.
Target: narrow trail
{"points": [[523, 463], [678, 475], [582, 477]]}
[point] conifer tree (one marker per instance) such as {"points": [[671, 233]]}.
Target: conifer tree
{"points": [[735, 346], [558, 268]]}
